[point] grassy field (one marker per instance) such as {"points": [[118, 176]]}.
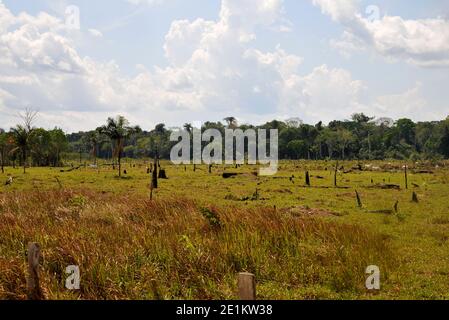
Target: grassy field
{"points": [[200, 230]]}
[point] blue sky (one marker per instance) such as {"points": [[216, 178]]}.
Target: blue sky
{"points": [[180, 61]]}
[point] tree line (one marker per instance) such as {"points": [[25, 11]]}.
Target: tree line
{"points": [[361, 137]]}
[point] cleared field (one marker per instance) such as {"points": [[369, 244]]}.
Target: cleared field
{"points": [[201, 229]]}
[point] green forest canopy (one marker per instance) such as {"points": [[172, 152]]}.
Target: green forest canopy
{"points": [[362, 137]]}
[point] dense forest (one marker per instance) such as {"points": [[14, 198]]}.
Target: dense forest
{"points": [[361, 137]]}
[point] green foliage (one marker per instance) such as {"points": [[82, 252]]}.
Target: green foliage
{"points": [[362, 137], [212, 217]]}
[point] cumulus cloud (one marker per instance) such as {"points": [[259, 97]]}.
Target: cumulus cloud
{"points": [[411, 102], [95, 33], [422, 42], [214, 70]]}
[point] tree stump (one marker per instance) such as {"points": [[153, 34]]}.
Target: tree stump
{"points": [[162, 174], [415, 198]]}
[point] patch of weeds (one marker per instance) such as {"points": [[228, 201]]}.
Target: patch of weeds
{"points": [[77, 201], [212, 218], [232, 197]]}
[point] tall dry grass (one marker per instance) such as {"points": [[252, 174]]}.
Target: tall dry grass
{"points": [[129, 247]]}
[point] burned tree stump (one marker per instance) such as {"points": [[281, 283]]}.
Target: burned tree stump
{"points": [[335, 174], [307, 179], [415, 198], [406, 176], [162, 174], [359, 200], [154, 176]]}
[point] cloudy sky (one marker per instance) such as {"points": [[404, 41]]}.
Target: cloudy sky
{"points": [[178, 61]]}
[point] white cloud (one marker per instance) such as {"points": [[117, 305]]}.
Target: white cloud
{"points": [[146, 2], [95, 33], [399, 105], [214, 70], [338, 10], [422, 42]]}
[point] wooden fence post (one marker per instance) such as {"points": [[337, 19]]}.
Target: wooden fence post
{"points": [[247, 286], [33, 285]]}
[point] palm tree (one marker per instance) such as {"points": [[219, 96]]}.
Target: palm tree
{"points": [[23, 134], [188, 127], [232, 122], [118, 130]]}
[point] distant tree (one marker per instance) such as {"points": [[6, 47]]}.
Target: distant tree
{"points": [[39, 147], [93, 139], [232, 122], [444, 143], [188, 127], [276, 125], [294, 122], [330, 138], [160, 128], [3, 148], [344, 137], [118, 130], [22, 135], [308, 134], [297, 149], [406, 131], [361, 118]]}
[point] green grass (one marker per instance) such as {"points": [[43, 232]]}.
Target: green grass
{"points": [[302, 243]]}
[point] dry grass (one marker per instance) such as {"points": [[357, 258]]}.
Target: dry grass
{"points": [[129, 247]]}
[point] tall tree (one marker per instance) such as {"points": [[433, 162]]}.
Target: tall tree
{"points": [[188, 127], [22, 135], [232, 122], [92, 141], [444, 144], [118, 130], [58, 144], [345, 137]]}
